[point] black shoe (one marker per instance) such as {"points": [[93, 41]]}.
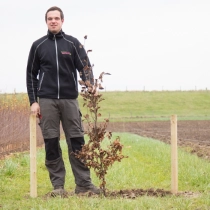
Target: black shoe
{"points": [[91, 188], [59, 191]]}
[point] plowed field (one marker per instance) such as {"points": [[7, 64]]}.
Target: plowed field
{"points": [[192, 135]]}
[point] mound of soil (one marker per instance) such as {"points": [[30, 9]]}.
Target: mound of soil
{"points": [[127, 194]]}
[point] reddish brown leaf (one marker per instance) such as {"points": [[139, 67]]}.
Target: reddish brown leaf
{"points": [[87, 82], [100, 86], [85, 68], [101, 76], [81, 82]]}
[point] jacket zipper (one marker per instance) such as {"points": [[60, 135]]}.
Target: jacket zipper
{"points": [[56, 50], [40, 85]]}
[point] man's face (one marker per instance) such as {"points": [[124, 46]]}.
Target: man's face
{"points": [[54, 22]]}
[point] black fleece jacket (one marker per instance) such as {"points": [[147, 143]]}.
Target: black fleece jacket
{"points": [[52, 67]]}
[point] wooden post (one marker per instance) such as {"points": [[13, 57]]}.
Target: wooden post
{"points": [[33, 174], [174, 159]]}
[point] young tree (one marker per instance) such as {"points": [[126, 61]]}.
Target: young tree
{"points": [[93, 153]]}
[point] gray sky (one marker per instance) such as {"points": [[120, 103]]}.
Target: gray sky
{"points": [[153, 44]]}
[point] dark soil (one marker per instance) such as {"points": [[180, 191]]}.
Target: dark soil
{"points": [[194, 136], [126, 194]]}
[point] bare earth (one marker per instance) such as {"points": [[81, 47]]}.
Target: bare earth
{"points": [[192, 135]]}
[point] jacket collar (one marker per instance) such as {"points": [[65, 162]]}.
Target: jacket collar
{"points": [[60, 34]]}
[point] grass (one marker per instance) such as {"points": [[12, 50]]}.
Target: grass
{"points": [[157, 104], [139, 105], [148, 166]]}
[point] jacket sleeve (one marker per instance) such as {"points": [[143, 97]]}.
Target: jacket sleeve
{"points": [[82, 63], [32, 72]]}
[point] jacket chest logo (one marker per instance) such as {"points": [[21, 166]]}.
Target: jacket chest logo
{"points": [[65, 53]]}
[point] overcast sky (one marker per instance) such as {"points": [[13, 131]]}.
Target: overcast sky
{"points": [[144, 44]]}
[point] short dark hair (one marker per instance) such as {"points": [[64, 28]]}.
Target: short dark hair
{"points": [[53, 9]]}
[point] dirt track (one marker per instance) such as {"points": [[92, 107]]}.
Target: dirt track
{"points": [[192, 135]]}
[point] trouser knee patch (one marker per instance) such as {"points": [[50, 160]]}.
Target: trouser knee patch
{"points": [[52, 148], [77, 143]]}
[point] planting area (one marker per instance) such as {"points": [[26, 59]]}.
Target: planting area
{"points": [[194, 136]]}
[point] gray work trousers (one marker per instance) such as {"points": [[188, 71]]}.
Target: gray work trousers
{"points": [[66, 111]]}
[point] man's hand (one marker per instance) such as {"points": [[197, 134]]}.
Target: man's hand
{"points": [[35, 109]]}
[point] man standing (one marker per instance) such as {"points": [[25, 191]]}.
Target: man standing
{"points": [[52, 78]]}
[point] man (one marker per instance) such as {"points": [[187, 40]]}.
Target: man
{"points": [[52, 78]]}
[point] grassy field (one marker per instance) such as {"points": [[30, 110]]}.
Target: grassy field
{"points": [[148, 166], [159, 105], [140, 105]]}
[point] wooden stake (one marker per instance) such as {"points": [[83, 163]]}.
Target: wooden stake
{"points": [[33, 174], [174, 159]]}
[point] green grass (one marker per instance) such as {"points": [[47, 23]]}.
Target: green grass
{"points": [[144, 105], [159, 105], [148, 166]]}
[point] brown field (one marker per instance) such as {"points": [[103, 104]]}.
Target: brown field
{"points": [[192, 135]]}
